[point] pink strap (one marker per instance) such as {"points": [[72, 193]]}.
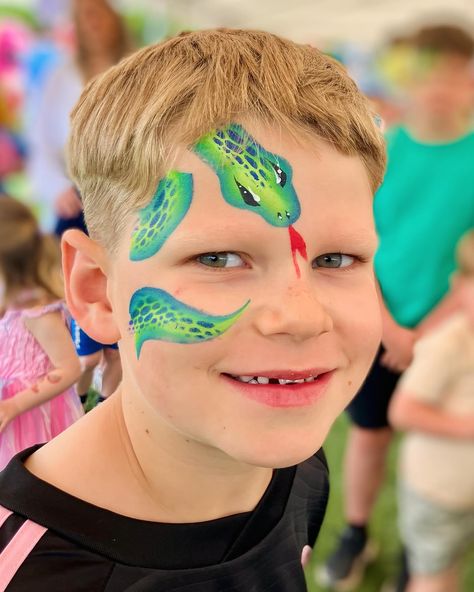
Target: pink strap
{"points": [[18, 550], [39, 311], [4, 513]]}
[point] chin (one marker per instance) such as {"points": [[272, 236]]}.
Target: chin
{"points": [[280, 451]]}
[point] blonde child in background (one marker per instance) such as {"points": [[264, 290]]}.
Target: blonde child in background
{"points": [[434, 404], [38, 363]]}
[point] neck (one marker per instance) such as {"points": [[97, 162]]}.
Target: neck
{"points": [[429, 128], [178, 479]]}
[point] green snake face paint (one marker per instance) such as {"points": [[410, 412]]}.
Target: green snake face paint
{"points": [[250, 177], [155, 314], [162, 215]]}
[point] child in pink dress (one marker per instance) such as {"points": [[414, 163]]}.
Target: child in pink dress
{"points": [[38, 364]]}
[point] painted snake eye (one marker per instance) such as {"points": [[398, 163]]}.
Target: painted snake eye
{"points": [[288, 215], [280, 217], [279, 174], [251, 199]]}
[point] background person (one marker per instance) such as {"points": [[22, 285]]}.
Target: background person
{"points": [[424, 206], [102, 40], [38, 364], [434, 405]]}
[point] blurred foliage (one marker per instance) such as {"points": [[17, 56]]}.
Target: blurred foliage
{"points": [[20, 13]]}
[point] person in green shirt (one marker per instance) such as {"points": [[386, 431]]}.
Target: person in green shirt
{"points": [[425, 204]]}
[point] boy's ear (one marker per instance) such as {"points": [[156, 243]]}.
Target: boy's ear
{"points": [[85, 279]]}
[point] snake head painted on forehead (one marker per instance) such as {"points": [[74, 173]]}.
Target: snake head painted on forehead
{"points": [[250, 177]]}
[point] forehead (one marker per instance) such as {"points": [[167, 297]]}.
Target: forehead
{"points": [[316, 168], [331, 190]]}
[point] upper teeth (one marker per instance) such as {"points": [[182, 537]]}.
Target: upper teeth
{"points": [[266, 379]]}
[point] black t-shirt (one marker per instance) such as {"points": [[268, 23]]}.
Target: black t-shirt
{"points": [[88, 549]]}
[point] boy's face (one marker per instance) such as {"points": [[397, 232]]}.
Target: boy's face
{"points": [[444, 85], [277, 315]]}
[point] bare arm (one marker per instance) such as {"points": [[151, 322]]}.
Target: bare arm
{"points": [[398, 341], [54, 338], [407, 413]]}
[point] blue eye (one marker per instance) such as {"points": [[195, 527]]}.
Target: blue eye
{"points": [[333, 260], [222, 260]]}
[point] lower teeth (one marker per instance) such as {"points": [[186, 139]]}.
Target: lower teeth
{"points": [[287, 383], [275, 381]]}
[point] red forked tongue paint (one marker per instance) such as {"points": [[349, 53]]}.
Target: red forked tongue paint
{"points": [[297, 246]]}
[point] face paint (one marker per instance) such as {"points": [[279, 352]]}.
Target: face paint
{"points": [[250, 177], [253, 179], [162, 215], [297, 245], [155, 314]]}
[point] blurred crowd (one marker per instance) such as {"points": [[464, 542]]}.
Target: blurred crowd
{"points": [[421, 87]]}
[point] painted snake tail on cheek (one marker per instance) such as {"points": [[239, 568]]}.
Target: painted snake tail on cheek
{"points": [[298, 245], [162, 215], [157, 315]]}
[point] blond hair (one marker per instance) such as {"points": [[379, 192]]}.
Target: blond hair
{"points": [[28, 259], [129, 120], [465, 254]]}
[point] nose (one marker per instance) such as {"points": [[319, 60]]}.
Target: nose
{"points": [[295, 311]]}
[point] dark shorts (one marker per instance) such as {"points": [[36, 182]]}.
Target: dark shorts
{"points": [[84, 344], [369, 407]]}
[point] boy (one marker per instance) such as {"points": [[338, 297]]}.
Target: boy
{"points": [[424, 206], [227, 179], [434, 404]]}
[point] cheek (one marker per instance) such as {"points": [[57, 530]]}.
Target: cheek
{"points": [[466, 98], [156, 378], [358, 316], [363, 336], [166, 370]]}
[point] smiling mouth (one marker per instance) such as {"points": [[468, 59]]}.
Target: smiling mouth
{"points": [[282, 388], [271, 380]]}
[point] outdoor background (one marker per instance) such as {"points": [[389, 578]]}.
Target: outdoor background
{"points": [[383, 527], [360, 33]]}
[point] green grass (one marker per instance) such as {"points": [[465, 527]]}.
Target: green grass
{"points": [[91, 401], [383, 525]]}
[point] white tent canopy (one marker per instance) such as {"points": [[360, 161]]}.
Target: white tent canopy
{"points": [[366, 22]]}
